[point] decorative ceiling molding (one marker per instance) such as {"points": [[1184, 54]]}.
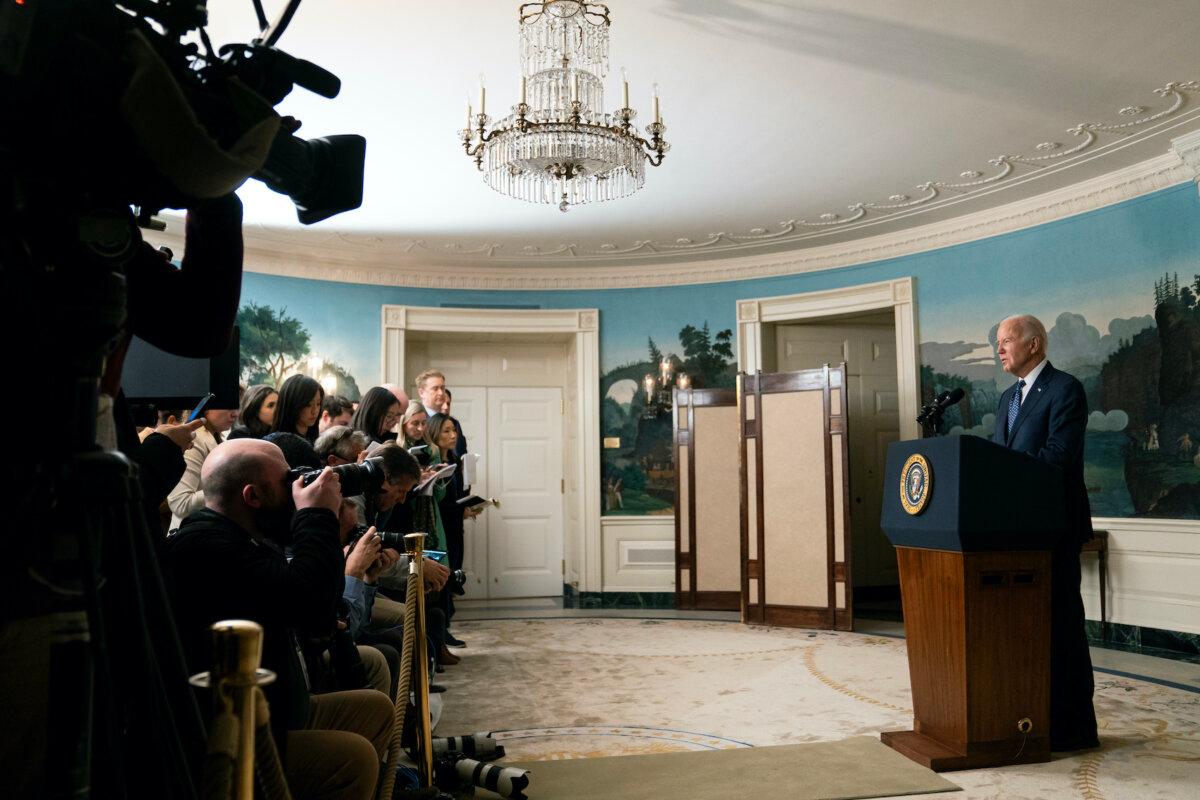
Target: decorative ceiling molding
{"points": [[1188, 149], [376, 268], [1008, 171]]}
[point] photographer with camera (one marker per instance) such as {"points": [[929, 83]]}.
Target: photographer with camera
{"points": [[116, 112], [227, 561]]}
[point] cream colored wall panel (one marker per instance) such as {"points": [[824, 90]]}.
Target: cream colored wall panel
{"points": [[685, 543], [839, 500], [1153, 574], [639, 554], [718, 521], [794, 508], [752, 504]]}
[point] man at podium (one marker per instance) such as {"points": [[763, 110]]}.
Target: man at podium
{"points": [[1044, 414]]}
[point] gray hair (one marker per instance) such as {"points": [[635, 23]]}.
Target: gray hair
{"points": [[1030, 327], [341, 441]]}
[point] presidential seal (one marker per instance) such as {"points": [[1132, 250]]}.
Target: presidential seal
{"points": [[916, 484]]}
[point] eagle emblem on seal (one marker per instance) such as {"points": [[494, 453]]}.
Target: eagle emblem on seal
{"points": [[916, 484]]}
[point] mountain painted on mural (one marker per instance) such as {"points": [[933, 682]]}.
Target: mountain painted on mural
{"points": [[1141, 375]]}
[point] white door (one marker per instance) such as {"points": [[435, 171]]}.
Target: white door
{"points": [[524, 465], [470, 409], [872, 403]]}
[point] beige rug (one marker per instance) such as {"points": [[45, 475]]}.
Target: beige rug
{"points": [[574, 688], [858, 767]]}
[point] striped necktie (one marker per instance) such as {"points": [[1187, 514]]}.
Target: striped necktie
{"points": [[1014, 405]]}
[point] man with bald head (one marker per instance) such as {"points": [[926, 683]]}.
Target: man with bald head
{"points": [[227, 561], [1044, 414], [399, 393]]}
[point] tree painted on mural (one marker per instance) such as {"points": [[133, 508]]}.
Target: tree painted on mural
{"points": [[273, 343], [707, 358], [638, 469]]}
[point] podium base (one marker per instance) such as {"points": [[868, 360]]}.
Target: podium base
{"points": [[938, 757]]}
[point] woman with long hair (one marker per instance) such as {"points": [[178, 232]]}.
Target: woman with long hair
{"points": [[378, 412], [443, 438], [413, 425], [299, 407], [257, 414]]}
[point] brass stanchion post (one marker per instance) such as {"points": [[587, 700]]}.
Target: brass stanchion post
{"points": [[237, 652], [414, 545]]}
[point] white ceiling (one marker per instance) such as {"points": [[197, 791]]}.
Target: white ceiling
{"points": [[778, 111]]}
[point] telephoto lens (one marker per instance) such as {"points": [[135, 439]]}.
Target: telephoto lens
{"points": [[392, 539], [507, 782], [355, 479], [474, 745]]}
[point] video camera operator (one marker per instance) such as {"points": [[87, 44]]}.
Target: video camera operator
{"points": [[227, 562], [112, 113]]}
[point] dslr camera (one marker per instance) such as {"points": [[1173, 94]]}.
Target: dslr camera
{"points": [[355, 479]]}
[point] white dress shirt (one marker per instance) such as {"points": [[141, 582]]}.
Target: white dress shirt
{"points": [[1030, 379]]}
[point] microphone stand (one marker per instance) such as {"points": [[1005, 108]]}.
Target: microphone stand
{"points": [[931, 423]]}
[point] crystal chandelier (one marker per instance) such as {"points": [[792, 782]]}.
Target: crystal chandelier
{"points": [[558, 145]]}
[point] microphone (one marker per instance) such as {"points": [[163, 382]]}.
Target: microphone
{"points": [[931, 406], [951, 398], [939, 404]]}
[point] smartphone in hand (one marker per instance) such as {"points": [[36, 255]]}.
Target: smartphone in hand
{"points": [[200, 407]]}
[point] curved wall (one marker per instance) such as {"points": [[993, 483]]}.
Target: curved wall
{"points": [[1103, 281]]}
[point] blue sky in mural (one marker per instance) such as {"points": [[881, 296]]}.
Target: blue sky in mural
{"points": [[344, 319], [1102, 265]]}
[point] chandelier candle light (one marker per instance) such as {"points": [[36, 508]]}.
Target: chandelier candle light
{"points": [[558, 145]]}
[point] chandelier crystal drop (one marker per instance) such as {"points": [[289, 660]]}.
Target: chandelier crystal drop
{"points": [[558, 145]]}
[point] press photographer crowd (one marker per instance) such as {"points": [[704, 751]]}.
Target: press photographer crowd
{"points": [[283, 519], [300, 502]]}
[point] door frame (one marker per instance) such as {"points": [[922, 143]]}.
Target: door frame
{"points": [[581, 326], [896, 294]]}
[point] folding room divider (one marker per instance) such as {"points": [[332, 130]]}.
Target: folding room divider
{"points": [[795, 504], [707, 528]]}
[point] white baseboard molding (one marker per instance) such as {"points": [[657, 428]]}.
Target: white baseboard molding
{"points": [[1153, 576]]}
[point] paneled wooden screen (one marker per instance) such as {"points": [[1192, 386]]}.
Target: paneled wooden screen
{"points": [[707, 528], [795, 504]]}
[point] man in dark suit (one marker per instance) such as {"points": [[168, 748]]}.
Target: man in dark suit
{"points": [[1044, 414]]}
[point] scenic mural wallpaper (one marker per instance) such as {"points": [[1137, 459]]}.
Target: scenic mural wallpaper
{"points": [[637, 460], [1142, 378], [1117, 288]]}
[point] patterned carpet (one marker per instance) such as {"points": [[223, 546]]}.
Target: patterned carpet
{"points": [[576, 688]]}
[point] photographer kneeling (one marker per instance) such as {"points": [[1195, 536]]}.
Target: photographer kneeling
{"points": [[227, 562]]}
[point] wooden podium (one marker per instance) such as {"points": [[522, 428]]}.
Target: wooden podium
{"points": [[973, 527]]}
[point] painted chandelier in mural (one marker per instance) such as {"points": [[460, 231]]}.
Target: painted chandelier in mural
{"points": [[657, 389], [558, 145]]}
